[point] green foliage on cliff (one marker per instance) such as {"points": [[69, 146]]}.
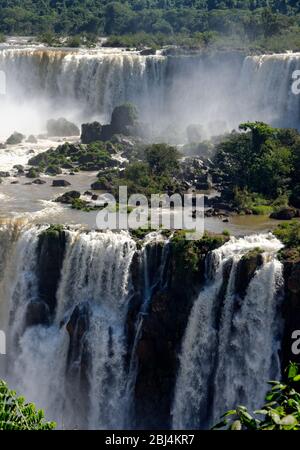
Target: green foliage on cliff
{"points": [[289, 234], [280, 412], [53, 231], [189, 254], [15, 414]]}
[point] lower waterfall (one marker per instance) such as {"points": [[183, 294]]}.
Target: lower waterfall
{"points": [[231, 344], [75, 351]]}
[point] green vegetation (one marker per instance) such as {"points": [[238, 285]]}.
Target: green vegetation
{"points": [[53, 231], [190, 254], [280, 412], [257, 26], [154, 173], [259, 167], [93, 156], [289, 234], [15, 414]]}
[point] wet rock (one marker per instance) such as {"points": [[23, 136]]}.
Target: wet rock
{"points": [[15, 182], [31, 139], [50, 256], [246, 269], [4, 174], [18, 167], [15, 139], [32, 173], [148, 52], [37, 313], [53, 170], [60, 183], [100, 185], [284, 214], [91, 132], [68, 197], [62, 127], [39, 181]]}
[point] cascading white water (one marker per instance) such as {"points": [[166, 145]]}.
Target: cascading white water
{"points": [[266, 85], [95, 272], [231, 345], [217, 91]]}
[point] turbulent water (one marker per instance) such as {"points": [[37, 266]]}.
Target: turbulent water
{"points": [[76, 361], [231, 344], [71, 351], [74, 364], [217, 91]]}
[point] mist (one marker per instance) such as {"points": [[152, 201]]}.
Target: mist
{"points": [[213, 92]]}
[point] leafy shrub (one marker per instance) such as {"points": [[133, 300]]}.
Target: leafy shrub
{"points": [[15, 414], [280, 412]]}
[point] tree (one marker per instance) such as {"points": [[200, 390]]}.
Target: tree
{"points": [[280, 412], [162, 158], [15, 414]]}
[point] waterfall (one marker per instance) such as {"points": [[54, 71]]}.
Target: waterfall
{"points": [[154, 259], [86, 337], [266, 83], [217, 91], [231, 344], [72, 348]]}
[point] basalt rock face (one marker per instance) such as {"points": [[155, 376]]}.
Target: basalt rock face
{"points": [[160, 339], [246, 269], [291, 308], [51, 251]]}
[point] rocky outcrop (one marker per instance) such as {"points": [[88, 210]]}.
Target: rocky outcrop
{"points": [[60, 183], [68, 197], [15, 139], [246, 269], [163, 328], [51, 251], [123, 121], [91, 132], [291, 305], [284, 214], [62, 127]]}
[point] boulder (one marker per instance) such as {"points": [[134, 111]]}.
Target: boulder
{"points": [[20, 169], [4, 174], [68, 197], [148, 52], [91, 132], [15, 139], [123, 116], [62, 127], [31, 139], [284, 214], [60, 183], [53, 170], [39, 181], [101, 185], [32, 173]]}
